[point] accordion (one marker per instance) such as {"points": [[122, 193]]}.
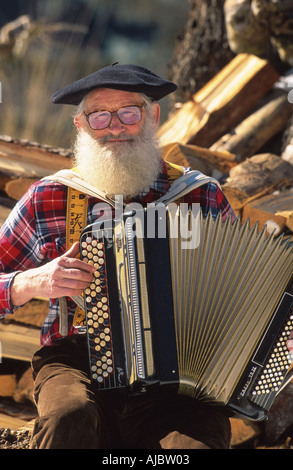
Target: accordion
{"points": [[198, 305]]}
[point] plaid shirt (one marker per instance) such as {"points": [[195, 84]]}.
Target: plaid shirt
{"points": [[34, 234]]}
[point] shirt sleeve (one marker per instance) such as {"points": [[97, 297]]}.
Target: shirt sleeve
{"points": [[211, 199], [19, 247]]}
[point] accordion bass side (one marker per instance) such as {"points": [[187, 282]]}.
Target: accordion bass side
{"points": [[206, 317]]}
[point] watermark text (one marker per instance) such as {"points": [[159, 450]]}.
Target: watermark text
{"points": [[155, 221]]}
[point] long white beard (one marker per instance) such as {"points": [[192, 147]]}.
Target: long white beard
{"points": [[118, 168]]}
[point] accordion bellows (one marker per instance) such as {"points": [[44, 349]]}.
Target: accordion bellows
{"points": [[208, 318]]}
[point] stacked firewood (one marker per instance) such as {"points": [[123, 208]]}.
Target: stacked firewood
{"points": [[222, 132], [233, 117]]}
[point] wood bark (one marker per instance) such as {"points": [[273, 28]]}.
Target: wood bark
{"points": [[16, 188], [256, 177], [274, 210], [19, 342], [257, 129], [29, 159], [198, 158]]}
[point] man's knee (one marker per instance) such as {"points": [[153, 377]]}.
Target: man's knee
{"points": [[176, 440], [75, 427]]}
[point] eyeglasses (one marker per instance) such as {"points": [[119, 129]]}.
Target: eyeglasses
{"points": [[129, 115]]}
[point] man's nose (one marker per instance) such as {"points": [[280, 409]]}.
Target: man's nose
{"points": [[116, 126]]}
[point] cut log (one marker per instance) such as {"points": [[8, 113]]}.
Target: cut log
{"points": [[274, 210], [4, 213], [255, 177], [33, 313], [17, 187], [243, 431], [18, 342], [30, 159], [8, 384], [257, 129], [4, 179], [221, 104], [198, 158], [24, 389], [11, 422]]}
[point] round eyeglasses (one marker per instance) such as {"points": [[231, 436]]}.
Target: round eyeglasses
{"points": [[128, 115]]}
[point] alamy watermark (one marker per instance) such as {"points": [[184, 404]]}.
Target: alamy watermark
{"points": [[155, 221], [290, 96]]}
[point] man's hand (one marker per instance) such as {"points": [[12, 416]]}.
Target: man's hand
{"points": [[65, 276]]}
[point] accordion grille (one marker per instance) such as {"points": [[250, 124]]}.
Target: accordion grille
{"points": [[224, 294]]}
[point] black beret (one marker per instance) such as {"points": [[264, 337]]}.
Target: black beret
{"points": [[133, 78]]}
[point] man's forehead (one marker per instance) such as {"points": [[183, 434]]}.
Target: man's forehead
{"points": [[107, 97]]}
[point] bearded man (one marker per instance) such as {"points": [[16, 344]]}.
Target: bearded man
{"points": [[116, 117]]}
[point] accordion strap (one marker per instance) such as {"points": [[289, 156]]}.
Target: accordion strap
{"points": [[184, 185], [71, 179]]}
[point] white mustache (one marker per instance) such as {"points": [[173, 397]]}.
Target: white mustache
{"points": [[109, 138]]}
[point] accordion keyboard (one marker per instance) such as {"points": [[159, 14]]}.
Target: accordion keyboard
{"points": [[98, 313], [276, 366]]}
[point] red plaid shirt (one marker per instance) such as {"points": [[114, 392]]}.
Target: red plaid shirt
{"points": [[34, 234]]}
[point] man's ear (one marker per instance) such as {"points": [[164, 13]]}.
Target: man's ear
{"points": [[156, 112], [77, 122]]}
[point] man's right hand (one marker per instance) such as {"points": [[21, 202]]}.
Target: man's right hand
{"points": [[65, 276]]}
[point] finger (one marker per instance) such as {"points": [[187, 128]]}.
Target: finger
{"points": [[70, 283], [75, 264], [75, 273], [73, 251]]}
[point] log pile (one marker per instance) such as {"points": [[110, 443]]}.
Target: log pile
{"points": [[234, 117], [225, 131]]}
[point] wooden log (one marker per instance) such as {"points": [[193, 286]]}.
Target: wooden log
{"points": [[17, 187], [19, 157], [18, 342], [4, 179], [274, 210], [221, 104], [257, 129], [255, 177], [23, 391], [6, 205], [33, 313], [198, 158], [11, 422], [243, 431], [4, 213], [8, 384]]}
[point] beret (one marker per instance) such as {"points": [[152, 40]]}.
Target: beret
{"points": [[133, 78]]}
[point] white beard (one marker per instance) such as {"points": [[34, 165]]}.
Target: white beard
{"points": [[118, 168]]}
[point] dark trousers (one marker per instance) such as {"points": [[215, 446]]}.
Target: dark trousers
{"points": [[73, 415]]}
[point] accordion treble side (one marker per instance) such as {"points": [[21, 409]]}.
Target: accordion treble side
{"points": [[199, 306]]}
